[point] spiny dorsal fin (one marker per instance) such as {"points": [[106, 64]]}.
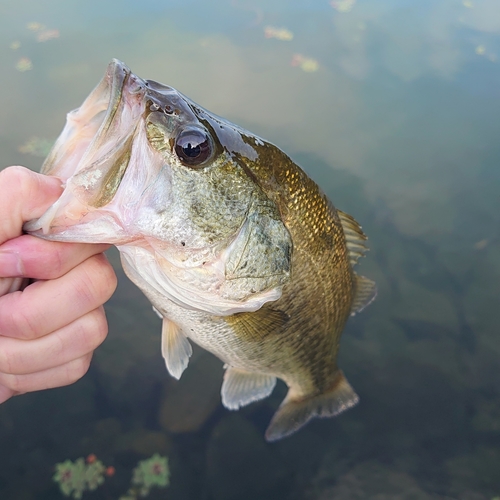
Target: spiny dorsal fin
{"points": [[355, 239], [241, 387], [257, 325], [365, 291]]}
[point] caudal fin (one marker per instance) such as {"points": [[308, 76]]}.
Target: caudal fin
{"points": [[294, 413]]}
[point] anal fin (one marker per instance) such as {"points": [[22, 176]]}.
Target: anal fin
{"points": [[241, 387], [175, 348], [294, 413]]}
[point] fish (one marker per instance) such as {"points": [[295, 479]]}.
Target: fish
{"points": [[237, 249]]}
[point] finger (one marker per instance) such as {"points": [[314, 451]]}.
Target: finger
{"points": [[46, 306], [5, 393], [21, 357], [9, 285], [31, 257], [25, 196], [53, 377]]}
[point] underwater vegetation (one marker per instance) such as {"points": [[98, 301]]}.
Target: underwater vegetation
{"points": [[36, 146], [74, 478]]}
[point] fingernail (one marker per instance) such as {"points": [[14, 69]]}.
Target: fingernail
{"points": [[11, 265]]}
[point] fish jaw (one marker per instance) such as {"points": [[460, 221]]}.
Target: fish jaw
{"points": [[89, 124], [92, 156], [70, 220]]}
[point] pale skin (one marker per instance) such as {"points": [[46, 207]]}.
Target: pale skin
{"points": [[49, 330]]}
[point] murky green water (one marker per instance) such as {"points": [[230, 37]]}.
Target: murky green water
{"points": [[393, 107]]}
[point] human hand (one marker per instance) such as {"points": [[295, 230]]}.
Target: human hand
{"points": [[49, 330]]}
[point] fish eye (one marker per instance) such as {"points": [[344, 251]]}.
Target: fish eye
{"points": [[193, 147]]}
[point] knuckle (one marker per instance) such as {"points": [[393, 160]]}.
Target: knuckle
{"points": [[7, 362], [101, 325], [100, 280], [24, 322], [76, 369], [14, 382], [94, 328], [56, 261]]}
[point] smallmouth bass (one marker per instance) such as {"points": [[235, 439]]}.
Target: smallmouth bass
{"points": [[235, 246]]}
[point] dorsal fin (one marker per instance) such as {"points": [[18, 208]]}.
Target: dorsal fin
{"points": [[355, 239], [365, 291]]}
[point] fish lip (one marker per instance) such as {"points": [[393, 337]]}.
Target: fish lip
{"points": [[121, 84], [117, 74]]}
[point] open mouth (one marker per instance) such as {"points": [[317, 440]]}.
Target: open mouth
{"points": [[89, 126], [93, 151]]}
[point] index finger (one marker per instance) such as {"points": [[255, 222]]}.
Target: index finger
{"points": [[26, 195], [31, 257]]}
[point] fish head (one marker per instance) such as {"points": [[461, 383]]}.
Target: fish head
{"points": [[145, 168]]}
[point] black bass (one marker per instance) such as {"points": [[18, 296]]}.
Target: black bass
{"points": [[235, 246]]}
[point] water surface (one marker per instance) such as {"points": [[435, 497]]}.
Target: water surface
{"points": [[393, 108]]}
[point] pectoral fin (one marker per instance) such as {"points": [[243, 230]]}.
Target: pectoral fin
{"points": [[175, 348], [294, 412], [240, 387], [158, 313], [254, 326]]}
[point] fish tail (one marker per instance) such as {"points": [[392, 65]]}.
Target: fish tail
{"points": [[296, 412]]}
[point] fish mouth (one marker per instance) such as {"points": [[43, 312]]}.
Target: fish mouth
{"points": [[91, 156], [90, 125]]}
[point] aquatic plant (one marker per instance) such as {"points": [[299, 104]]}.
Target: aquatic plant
{"points": [[36, 146], [151, 472], [74, 478]]}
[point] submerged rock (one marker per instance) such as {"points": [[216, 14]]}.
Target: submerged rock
{"points": [[477, 471], [241, 465], [371, 480], [188, 403], [145, 442]]}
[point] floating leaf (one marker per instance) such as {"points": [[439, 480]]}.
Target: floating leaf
{"points": [[306, 64], [34, 26], [24, 64], [342, 5], [278, 33], [36, 146], [45, 35]]}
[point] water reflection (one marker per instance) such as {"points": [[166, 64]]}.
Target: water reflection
{"points": [[399, 124]]}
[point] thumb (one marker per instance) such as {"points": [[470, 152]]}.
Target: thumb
{"points": [[25, 195]]}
